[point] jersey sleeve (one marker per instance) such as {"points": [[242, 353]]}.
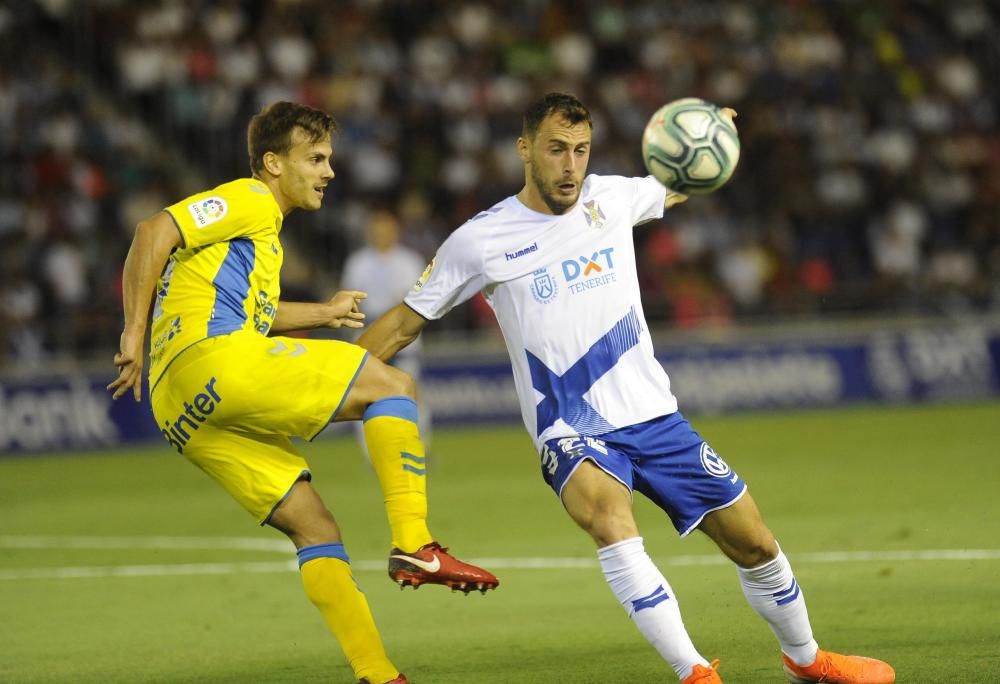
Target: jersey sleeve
{"points": [[649, 196], [216, 216], [455, 274]]}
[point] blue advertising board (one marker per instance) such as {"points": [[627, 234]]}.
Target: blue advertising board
{"points": [[73, 412]]}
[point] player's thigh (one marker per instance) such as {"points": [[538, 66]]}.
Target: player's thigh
{"points": [[678, 470], [594, 483], [376, 380], [258, 470], [252, 383], [305, 384]]}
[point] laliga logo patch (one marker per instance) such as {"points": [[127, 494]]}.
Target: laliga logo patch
{"points": [[712, 462], [207, 211], [419, 285]]}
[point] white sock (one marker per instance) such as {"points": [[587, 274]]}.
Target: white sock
{"points": [[650, 602], [773, 592]]}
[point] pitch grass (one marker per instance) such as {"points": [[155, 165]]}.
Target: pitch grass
{"points": [[867, 479]]}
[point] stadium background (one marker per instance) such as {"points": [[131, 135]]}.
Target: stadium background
{"points": [[853, 260], [869, 181]]}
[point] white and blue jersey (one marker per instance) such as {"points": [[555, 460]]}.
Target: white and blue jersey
{"points": [[566, 294]]}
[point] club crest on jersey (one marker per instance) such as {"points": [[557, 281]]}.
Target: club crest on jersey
{"points": [[208, 210], [713, 463], [543, 286], [595, 217]]}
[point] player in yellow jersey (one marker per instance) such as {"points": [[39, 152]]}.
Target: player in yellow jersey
{"points": [[228, 397]]}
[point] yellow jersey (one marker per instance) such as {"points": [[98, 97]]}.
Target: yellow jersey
{"points": [[224, 276]]}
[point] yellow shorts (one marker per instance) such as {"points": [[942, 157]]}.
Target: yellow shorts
{"points": [[230, 403]]}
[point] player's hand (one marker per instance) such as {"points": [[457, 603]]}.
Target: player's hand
{"points": [[129, 361], [729, 113], [345, 309], [674, 198]]}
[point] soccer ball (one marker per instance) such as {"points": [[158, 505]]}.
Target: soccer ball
{"points": [[690, 146]]}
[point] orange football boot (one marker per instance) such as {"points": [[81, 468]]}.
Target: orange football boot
{"points": [[704, 675], [840, 669]]}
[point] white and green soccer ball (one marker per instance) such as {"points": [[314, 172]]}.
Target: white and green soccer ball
{"points": [[690, 146]]}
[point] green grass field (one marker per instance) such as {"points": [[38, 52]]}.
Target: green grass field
{"points": [[134, 567]]}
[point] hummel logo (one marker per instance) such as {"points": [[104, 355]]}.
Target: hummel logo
{"points": [[423, 565], [533, 247]]}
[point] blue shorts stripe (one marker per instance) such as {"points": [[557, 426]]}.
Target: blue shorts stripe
{"points": [[308, 553], [395, 407]]}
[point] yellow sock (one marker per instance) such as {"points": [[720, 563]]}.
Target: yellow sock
{"points": [[401, 466], [329, 584]]}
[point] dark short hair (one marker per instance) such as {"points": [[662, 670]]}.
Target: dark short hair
{"points": [[270, 130], [563, 104]]}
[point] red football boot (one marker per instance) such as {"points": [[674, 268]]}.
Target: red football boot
{"points": [[432, 564]]}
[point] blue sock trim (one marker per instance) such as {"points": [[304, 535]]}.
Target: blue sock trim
{"points": [[396, 407], [308, 553], [416, 471]]}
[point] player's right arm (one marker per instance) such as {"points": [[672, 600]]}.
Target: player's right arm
{"points": [[154, 240], [393, 331]]}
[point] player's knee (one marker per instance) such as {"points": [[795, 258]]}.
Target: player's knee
{"points": [[607, 525], [756, 551], [393, 382], [398, 384], [304, 518]]}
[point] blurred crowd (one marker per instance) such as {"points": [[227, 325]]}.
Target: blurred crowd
{"points": [[869, 180]]}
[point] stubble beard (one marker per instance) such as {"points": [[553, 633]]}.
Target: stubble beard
{"points": [[555, 205]]}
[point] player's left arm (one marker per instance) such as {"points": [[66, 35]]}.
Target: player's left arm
{"points": [[343, 310]]}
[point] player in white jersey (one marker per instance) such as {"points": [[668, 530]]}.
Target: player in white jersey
{"points": [[386, 269], [557, 264]]}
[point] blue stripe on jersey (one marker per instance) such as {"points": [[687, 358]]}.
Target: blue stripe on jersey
{"points": [[232, 286], [563, 394]]}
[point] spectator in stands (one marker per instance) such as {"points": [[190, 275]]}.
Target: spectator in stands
{"points": [[846, 114]]}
